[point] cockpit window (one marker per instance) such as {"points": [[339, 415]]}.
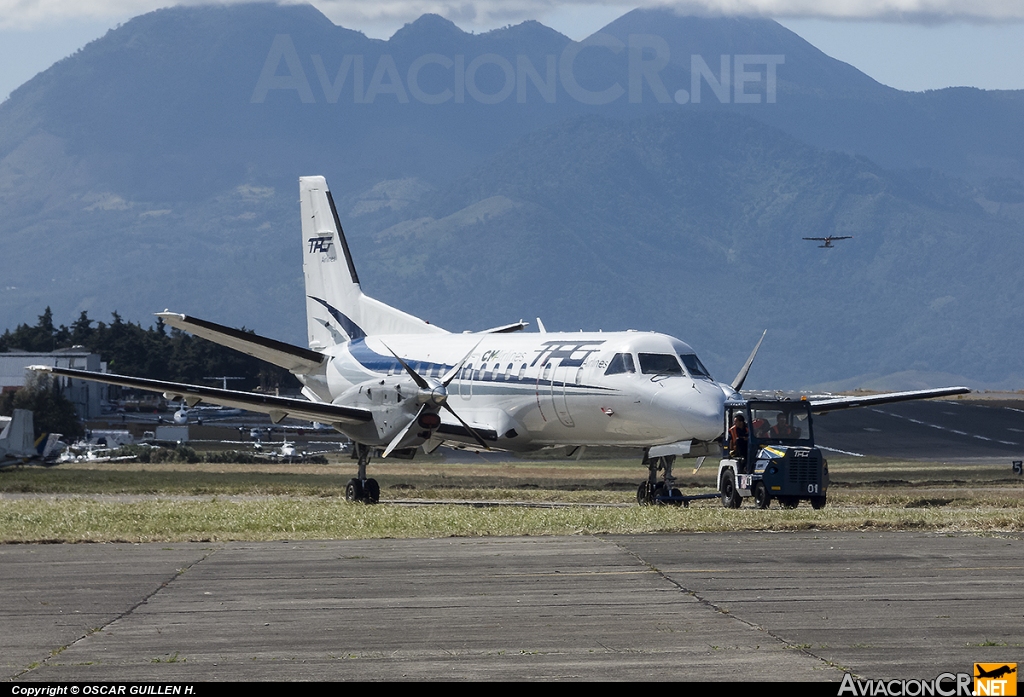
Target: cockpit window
{"points": [[621, 363], [694, 367], [659, 364]]}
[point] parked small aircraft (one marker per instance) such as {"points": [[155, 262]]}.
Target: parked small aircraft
{"points": [[828, 240], [185, 414], [394, 383], [18, 444]]}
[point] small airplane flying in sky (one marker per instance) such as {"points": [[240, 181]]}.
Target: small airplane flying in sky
{"points": [[394, 383], [828, 240]]}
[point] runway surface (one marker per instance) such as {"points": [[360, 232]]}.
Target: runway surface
{"points": [[744, 606], [933, 430], [941, 430]]}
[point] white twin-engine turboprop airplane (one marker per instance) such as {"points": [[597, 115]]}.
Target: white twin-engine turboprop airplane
{"points": [[393, 383]]}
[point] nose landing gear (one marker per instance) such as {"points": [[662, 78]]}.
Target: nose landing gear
{"points": [[655, 493]]}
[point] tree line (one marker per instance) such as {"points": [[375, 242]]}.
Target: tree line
{"points": [[159, 352]]}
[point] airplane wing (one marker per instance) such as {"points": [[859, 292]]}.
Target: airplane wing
{"points": [[293, 358], [277, 407], [447, 428], [826, 405]]}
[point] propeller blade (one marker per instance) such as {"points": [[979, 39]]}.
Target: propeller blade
{"points": [[401, 434], [420, 382], [450, 375], [737, 384], [468, 427]]}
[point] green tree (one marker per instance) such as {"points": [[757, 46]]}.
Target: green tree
{"points": [[153, 353], [51, 411]]}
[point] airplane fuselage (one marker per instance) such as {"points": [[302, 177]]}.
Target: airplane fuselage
{"points": [[534, 390]]}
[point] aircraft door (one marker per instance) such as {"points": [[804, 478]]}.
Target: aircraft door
{"points": [[466, 381], [561, 375]]}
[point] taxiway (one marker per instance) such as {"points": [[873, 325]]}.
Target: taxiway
{"points": [[742, 606]]}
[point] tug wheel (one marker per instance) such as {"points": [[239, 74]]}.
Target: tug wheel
{"points": [[730, 499], [762, 499]]}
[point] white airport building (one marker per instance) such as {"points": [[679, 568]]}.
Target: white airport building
{"points": [[88, 397]]}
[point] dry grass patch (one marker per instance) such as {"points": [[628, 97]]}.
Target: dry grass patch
{"points": [[177, 502]]}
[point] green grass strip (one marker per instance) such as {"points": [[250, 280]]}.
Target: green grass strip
{"points": [[301, 518]]}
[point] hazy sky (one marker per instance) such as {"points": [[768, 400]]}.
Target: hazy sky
{"points": [[907, 44]]}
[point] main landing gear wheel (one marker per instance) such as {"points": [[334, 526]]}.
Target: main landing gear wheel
{"points": [[362, 492], [730, 498], [762, 499], [362, 489], [817, 502]]}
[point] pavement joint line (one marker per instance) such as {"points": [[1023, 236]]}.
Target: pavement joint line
{"points": [[715, 607], [163, 584]]}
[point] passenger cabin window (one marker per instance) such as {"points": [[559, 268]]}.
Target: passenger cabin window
{"points": [[659, 364], [620, 363], [694, 367]]}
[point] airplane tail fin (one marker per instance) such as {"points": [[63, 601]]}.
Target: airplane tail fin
{"points": [[18, 437], [336, 309], [47, 445]]}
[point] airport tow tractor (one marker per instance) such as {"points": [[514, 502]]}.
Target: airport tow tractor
{"points": [[772, 456]]}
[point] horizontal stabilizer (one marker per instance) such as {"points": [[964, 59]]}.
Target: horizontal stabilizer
{"points": [[827, 405], [506, 328], [293, 358], [277, 407]]}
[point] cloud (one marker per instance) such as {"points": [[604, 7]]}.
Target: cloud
{"points": [[494, 12], [482, 14]]}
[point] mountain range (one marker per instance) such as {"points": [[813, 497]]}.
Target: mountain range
{"points": [[658, 176]]}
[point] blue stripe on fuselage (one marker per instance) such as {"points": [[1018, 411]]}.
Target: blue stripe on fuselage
{"points": [[379, 363]]}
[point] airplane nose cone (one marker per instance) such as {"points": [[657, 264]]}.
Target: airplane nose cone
{"points": [[708, 415], [697, 412]]}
